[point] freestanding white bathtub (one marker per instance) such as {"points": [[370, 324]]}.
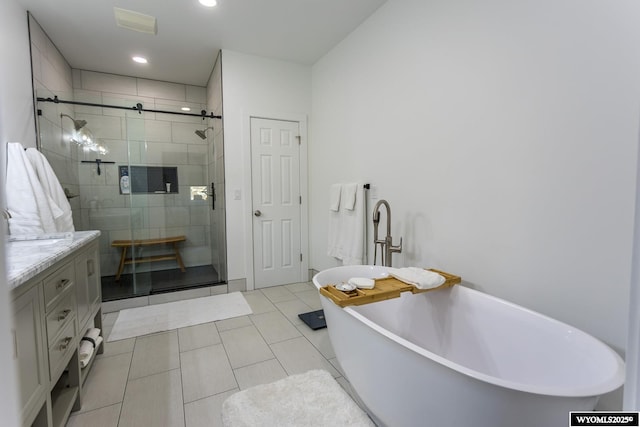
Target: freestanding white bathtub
{"points": [[461, 358]]}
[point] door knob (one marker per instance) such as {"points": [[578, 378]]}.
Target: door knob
{"points": [[257, 213]]}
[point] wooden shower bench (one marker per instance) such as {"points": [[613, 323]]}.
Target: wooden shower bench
{"points": [[124, 244]]}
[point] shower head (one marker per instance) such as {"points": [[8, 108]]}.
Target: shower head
{"points": [[81, 135], [77, 124], [202, 133]]}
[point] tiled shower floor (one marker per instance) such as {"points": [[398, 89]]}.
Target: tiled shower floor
{"points": [[181, 377], [154, 282]]}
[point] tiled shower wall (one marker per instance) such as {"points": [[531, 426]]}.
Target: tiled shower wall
{"points": [[52, 76], [148, 139]]}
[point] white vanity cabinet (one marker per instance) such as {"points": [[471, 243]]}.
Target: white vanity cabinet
{"points": [[52, 310]]}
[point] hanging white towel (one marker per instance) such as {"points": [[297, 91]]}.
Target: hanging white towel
{"points": [[27, 202], [346, 232], [352, 235], [333, 246], [349, 196], [334, 197], [58, 201]]}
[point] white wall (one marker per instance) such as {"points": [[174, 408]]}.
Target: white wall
{"points": [[16, 124], [252, 85], [16, 95], [504, 135]]}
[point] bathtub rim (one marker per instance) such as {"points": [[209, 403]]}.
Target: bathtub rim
{"points": [[598, 389]]}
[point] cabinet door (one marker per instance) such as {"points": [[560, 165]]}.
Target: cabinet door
{"points": [[82, 290], [88, 284], [94, 283], [28, 350]]}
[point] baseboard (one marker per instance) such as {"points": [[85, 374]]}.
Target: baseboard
{"points": [[237, 285]]}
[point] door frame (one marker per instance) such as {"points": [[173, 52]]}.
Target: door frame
{"points": [[247, 190]]}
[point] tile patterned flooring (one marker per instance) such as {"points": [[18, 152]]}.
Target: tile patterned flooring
{"points": [[181, 377]]}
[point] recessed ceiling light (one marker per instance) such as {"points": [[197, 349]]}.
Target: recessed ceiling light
{"points": [[185, 109], [208, 3], [140, 59]]}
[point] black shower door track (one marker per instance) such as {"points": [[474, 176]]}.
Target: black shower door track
{"points": [[138, 107]]}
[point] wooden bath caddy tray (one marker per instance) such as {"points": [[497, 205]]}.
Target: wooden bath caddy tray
{"points": [[384, 289]]}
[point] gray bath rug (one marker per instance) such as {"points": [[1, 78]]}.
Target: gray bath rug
{"points": [[134, 322], [310, 399]]}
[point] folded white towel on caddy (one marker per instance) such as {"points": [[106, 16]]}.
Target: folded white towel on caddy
{"points": [[418, 277]]}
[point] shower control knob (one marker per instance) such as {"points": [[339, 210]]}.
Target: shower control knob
{"points": [[257, 213]]}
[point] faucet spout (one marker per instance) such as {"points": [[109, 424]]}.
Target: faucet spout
{"points": [[386, 245]]}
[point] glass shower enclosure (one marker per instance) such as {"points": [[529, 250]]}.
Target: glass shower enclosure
{"points": [[148, 183]]}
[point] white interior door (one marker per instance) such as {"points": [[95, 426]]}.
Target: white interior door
{"points": [[275, 182]]}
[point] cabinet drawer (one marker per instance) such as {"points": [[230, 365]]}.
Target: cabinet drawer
{"points": [[61, 347], [57, 283], [59, 315]]}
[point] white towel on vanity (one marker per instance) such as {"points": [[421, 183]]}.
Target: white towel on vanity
{"points": [[86, 351], [92, 333], [418, 277], [58, 201], [27, 202], [334, 197], [88, 346], [349, 196]]}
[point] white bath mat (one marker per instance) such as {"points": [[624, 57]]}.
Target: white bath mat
{"points": [[310, 399], [134, 322]]}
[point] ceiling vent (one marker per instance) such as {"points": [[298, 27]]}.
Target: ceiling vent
{"points": [[136, 21]]}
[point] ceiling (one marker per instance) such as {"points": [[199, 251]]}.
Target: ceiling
{"points": [[190, 35]]}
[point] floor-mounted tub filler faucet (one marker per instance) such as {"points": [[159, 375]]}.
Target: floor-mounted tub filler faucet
{"points": [[386, 245]]}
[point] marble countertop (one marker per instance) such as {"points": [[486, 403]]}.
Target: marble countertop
{"points": [[29, 255]]}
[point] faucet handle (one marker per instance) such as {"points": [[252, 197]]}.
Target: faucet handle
{"points": [[396, 248]]}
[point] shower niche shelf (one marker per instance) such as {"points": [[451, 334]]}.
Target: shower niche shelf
{"points": [[150, 179]]}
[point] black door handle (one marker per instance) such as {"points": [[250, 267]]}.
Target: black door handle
{"points": [[213, 196]]}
